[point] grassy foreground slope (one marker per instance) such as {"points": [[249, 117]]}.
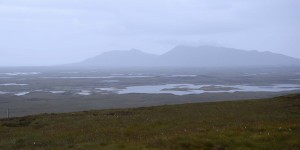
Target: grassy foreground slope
{"points": [[254, 124]]}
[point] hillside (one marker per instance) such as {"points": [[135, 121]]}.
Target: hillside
{"points": [[255, 124], [184, 56], [129, 58]]}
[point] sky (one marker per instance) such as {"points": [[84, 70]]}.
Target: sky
{"points": [[50, 32]]}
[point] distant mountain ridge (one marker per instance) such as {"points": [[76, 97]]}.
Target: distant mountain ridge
{"points": [[128, 58], [186, 56]]}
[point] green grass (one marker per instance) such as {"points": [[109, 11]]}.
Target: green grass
{"points": [[254, 124]]}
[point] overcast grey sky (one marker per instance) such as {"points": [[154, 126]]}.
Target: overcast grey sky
{"points": [[46, 32]]}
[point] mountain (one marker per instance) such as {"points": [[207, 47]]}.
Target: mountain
{"points": [[185, 56], [129, 58], [221, 56]]}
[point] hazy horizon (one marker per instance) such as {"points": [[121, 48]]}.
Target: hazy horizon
{"points": [[130, 55], [52, 32]]}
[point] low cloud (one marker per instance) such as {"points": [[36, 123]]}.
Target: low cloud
{"points": [[77, 29]]}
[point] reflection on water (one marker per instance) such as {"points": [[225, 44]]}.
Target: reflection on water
{"points": [[57, 92], [110, 81], [176, 89], [1, 92], [13, 84], [184, 75], [19, 73], [96, 77], [22, 93], [184, 89], [84, 92]]}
